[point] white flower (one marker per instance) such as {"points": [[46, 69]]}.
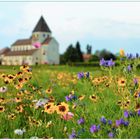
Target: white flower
{"points": [[34, 137], [3, 89], [19, 131]]}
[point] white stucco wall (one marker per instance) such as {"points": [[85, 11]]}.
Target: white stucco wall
{"points": [[52, 52]]}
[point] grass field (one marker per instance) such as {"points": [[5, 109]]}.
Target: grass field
{"points": [[68, 102]]}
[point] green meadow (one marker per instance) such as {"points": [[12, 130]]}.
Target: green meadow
{"points": [[70, 102]]}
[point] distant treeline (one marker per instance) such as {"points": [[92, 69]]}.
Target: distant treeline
{"points": [[73, 54]]}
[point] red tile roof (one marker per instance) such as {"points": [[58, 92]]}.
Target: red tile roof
{"points": [[22, 42]]}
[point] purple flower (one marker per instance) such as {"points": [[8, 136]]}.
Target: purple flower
{"points": [[126, 114], [68, 98], [138, 112], [118, 123], [80, 75], [93, 129], [98, 127], [126, 123], [107, 63], [103, 120], [81, 121], [122, 121], [135, 81], [87, 75], [110, 135], [73, 135], [129, 68], [129, 56], [109, 122]]}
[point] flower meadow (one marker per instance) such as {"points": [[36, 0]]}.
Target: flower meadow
{"points": [[60, 102]]}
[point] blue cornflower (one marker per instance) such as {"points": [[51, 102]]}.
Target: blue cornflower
{"points": [[110, 135], [138, 112], [68, 98], [103, 120], [135, 80], [107, 63], [109, 122], [81, 121], [126, 123], [87, 75], [126, 114], [129, 68], [80, 75], [93, 129], [73, 135]]}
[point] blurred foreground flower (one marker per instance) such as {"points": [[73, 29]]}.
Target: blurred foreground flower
{"points": [[107, 63], [19, 131], [122, 53]]}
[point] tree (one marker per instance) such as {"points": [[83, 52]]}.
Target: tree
{"points": [[105, 54], [79, 53]]}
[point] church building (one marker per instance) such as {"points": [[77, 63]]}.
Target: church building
{"points": [[40, 48]]}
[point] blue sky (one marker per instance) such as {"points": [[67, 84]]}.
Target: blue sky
{"points": [[109, 25]]}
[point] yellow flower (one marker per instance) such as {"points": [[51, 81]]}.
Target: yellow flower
{"points": [[81, 97], [62, 108], [2, 109], [93, 98], [49, 91], [49, 108], [11, 116], [122, 82], [122, 53]]}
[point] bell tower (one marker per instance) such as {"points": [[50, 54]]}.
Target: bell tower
{"points": [[41, 31]]}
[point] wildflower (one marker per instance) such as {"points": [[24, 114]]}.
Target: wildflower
{"points": [[3, 89], [107, 63], [135, 80], [68, 116], [19, 131], [129, 68], [138, 112], [41, 102], [68, 98], [62, 108], [49, 91], [98, 127], [137, 107], [109, 122], [126, 114], [122, 82], [81, 97], [11, 116], [49, 124], [87, 75], [19, 109], [93, 97], [34, 137], [110, 135], [103, 120], [73, 135], [2, 109], [65, 129], [81, 121], [118, 123], [129, 56], [93, 129], [17, 99], [80, 75], [49, 108], [122, 53], [126, 123]]}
